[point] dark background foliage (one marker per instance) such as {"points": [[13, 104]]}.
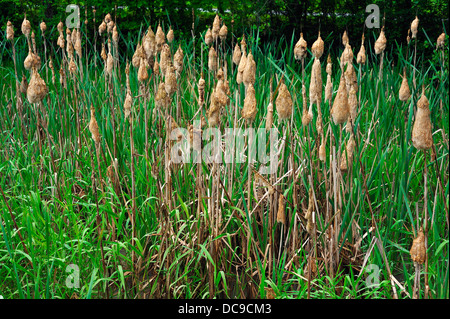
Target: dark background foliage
{"points": [[274, 19]]}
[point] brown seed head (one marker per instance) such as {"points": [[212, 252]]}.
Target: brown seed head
{"points": [[216, 28], [317, 47], [170, 36], [37, 89], [414, 27], [380, 44], [418, 249], [223, 32], [340, 110], [249, 73], [212, 59], [249, 110], [300, 48], [208, 37], [422, 138], [9, 31], [26, 27], [237, 54], [43, 27], [284, 102], [281, 215], [404, 93]]}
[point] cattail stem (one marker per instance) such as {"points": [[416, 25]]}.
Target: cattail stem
{"points": [[425, 196]]}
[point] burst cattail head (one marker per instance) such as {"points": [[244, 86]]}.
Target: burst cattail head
{"points": [[161, 98], [315, 87], [380, 44], [414, 27], [214, 110], [73, 36], [347, 155], [60, 41], [178, 60], [9, 31], [329, 65], [109, 64], [24, 84], [317, 47], [212, 59], [26, 27], [249, 74], [201, 90], [103, 53], [115, 35], [236, 54], [164, 58], [142, 71], [361, 57], [404, 92], [127, 105], [418, 249], [241, 68], [93, 128], [208, 37], [170, 80], [170, 35], [28, 62], [223, 32], [408, 38], [300, 48], [221, 93], [69, 47], [108, 18], [243, 43], [322, 151], [345, 38], [72, 66], [284, 102], [78, 44], [156, 67], [269, 117], [328, 89], [60, 27], [216, 28], [43, 27], [340, 110], [353, 107], [37, 89], [249, 110], [422, 138], [159, 38], [440, 41], [281, 215], [102, 27], [62, 77], [347, 55]]}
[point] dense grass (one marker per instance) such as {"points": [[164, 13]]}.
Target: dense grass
{"points": [[62, 203]]}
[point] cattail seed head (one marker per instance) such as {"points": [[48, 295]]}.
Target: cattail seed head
{"points": [[93, 128], [317, 47], [109, 64], [380, 44], [108, 18], [208, 37], [315, 87], [72, 66], [284, 102], [241, 68], [37, 89], [418, 249], [237, 54], [345, 38], [142, 71], [340, 110], [300, 48], [414, 27], [170, 36], [243, 43], [62, 77], [60, 41], [404, 93], [170, 80], [9, 31], [249, 73], [214, 110], [178, 60], [223, 32], [159, 38], [353, 107], [347, 155], [329, 65], [422, 138], [136, 56], [249, 110], [161, 98], [281, 215], [440, 41], [115, 35], [102, 28], [212, 59], [361, 57], [78, 44], [127, 105], [216, 28], [322, 151], [351, 81], [328, 89], [201, 90], [164, 58], [347, 56], [26, 27], [28, 62]]}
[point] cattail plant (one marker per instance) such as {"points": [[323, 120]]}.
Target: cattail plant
{"points": [[283, 102], [380, 44], [329, 84], [208, 37], [340, 110], [249, 73], [418, 254], [317, 47], [404, 93]]}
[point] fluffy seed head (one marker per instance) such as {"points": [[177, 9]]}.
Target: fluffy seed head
{"points": [[24, 84], [440, 41], [317, 47], [93, 128], [404, 92], [160, 38], [418, 249], [340, 110], [307, 114], [170, 80], [284, 102], [26, 27], [345, 38], [414, 27], [216, 27], [237, 54], [142, 72], [212, 59], [102, 28], [300, 48], [170, 36], [380, 44], [9, 31], [161, 98], [315, 87], [361, 57], [37, 89], [249, 110], [347, 155], [223, 32], [422, 138], [208, 37], [241, 68], [281, 216], [178, 60], [249, 74], [328, 89]]}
